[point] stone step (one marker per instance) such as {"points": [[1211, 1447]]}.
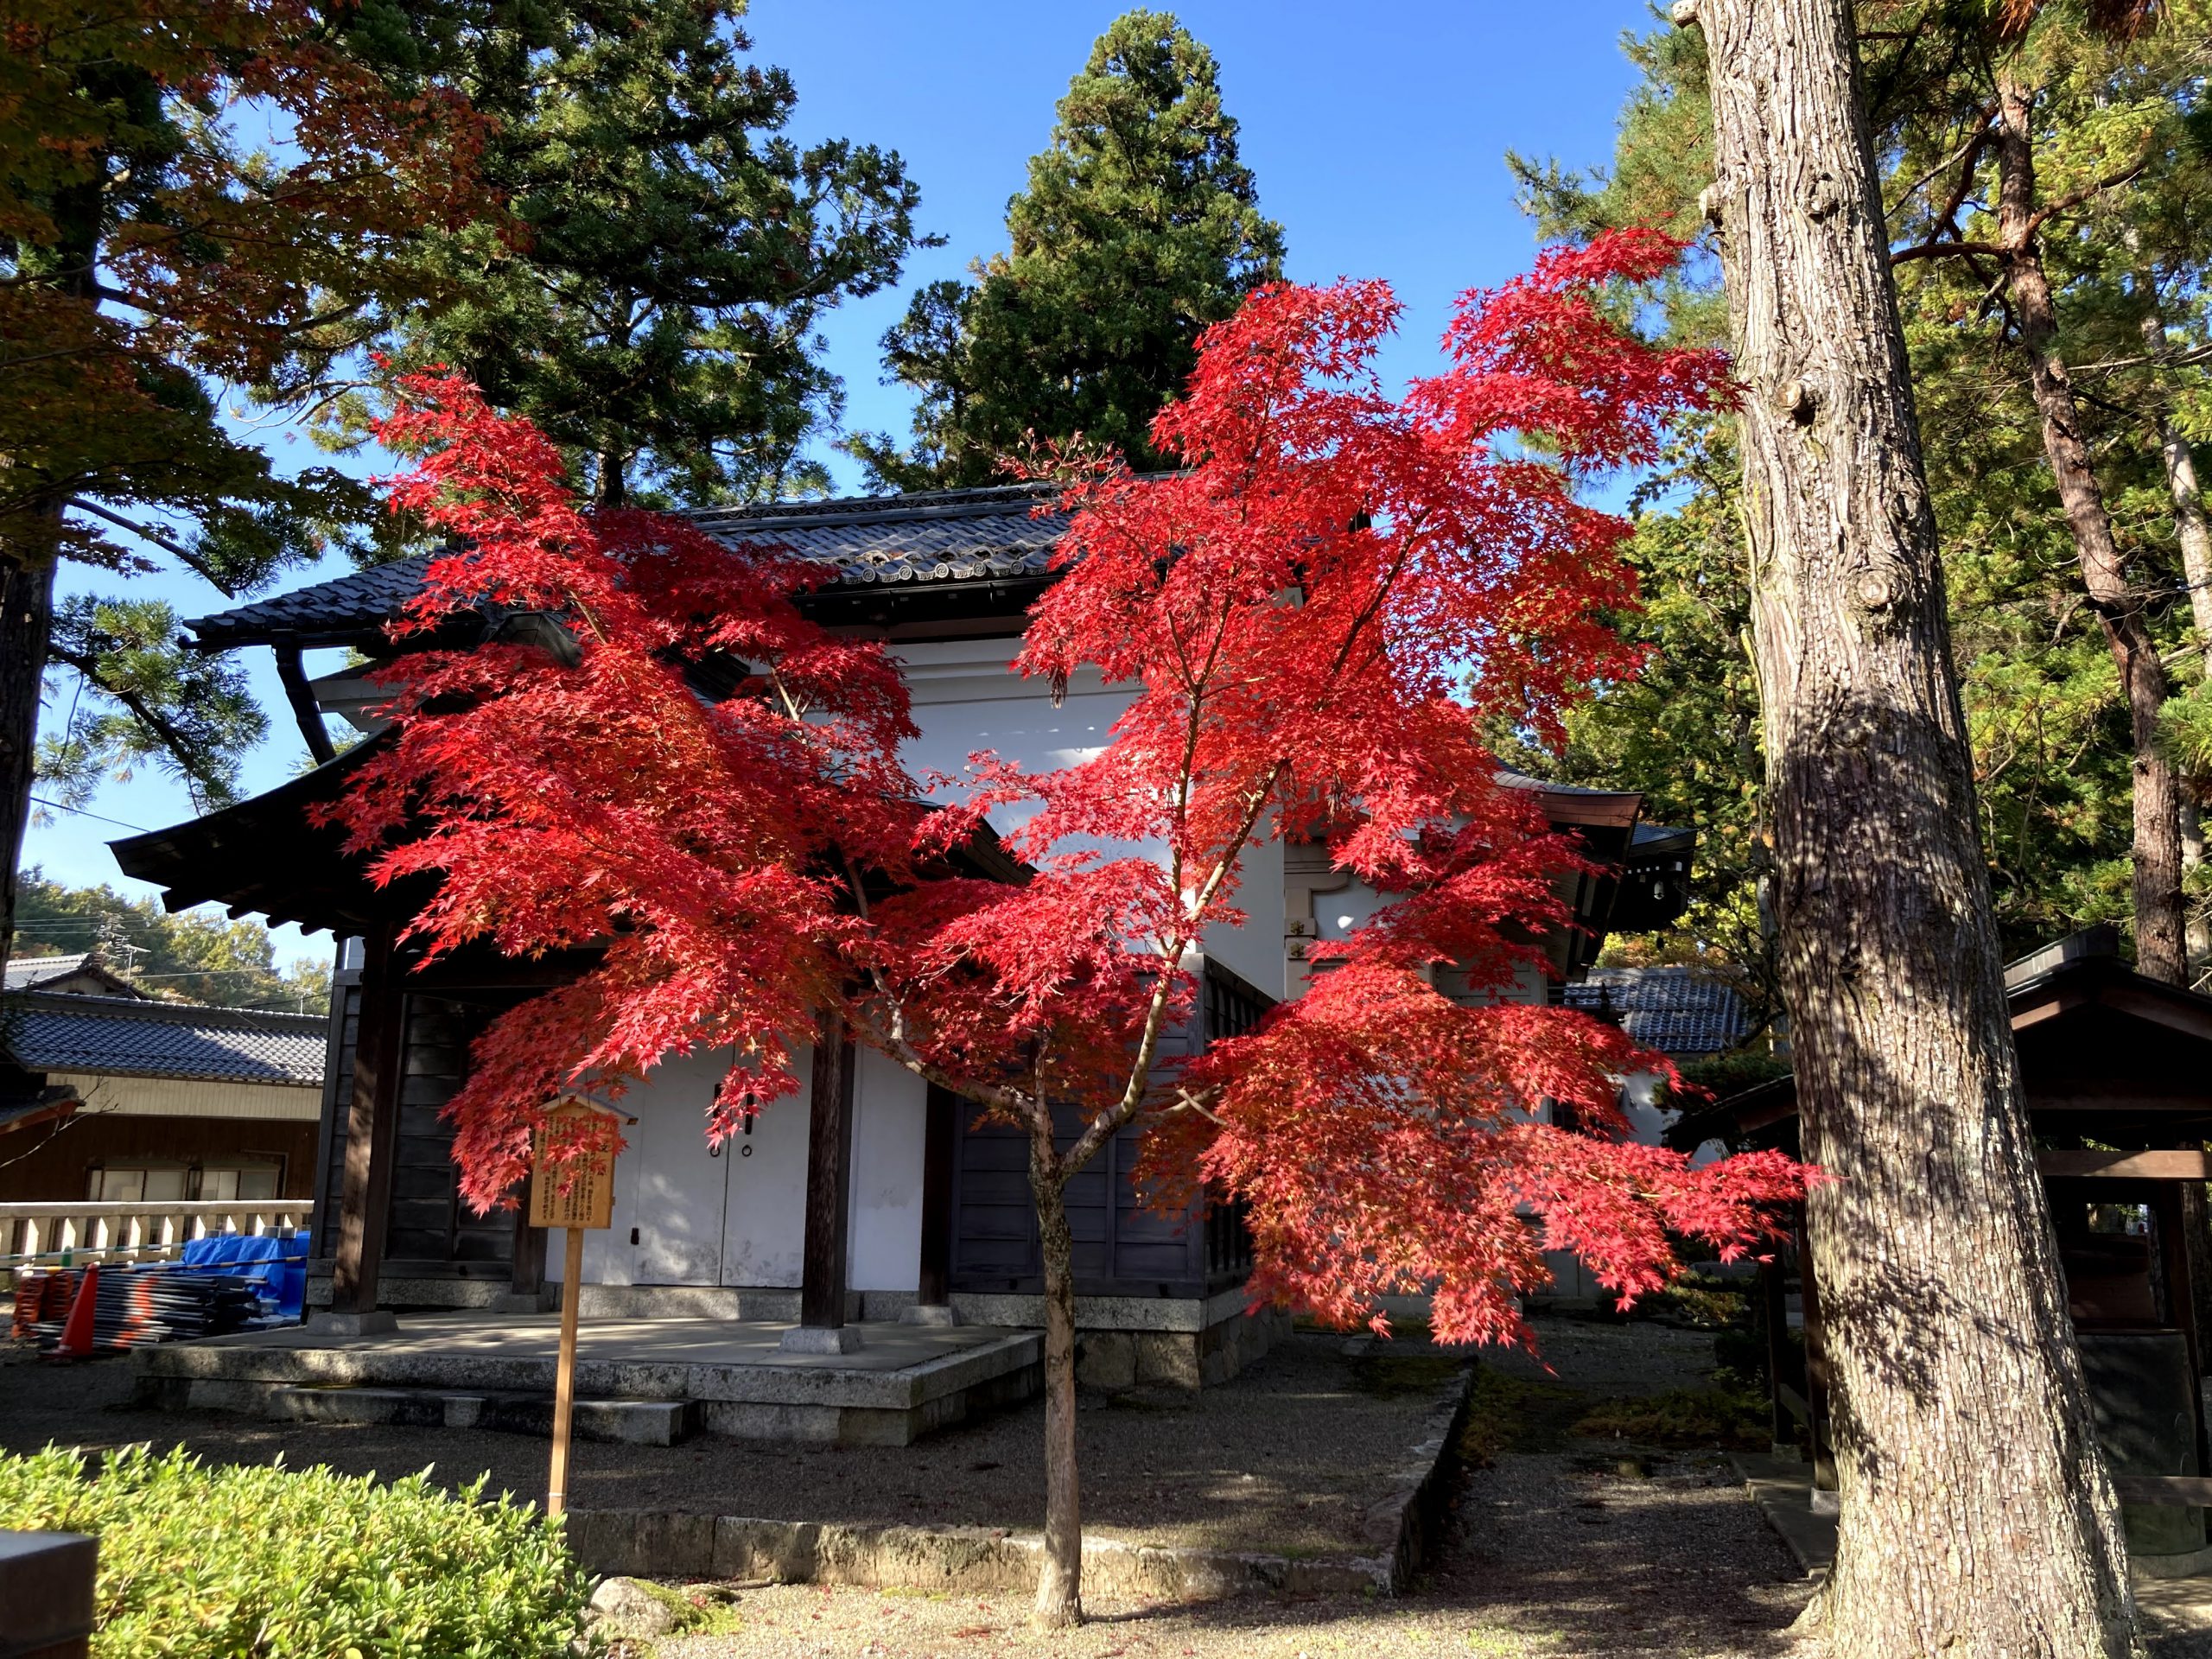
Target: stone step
{"points": [[630, 1422]]}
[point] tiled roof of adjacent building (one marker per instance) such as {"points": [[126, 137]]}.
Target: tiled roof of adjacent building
{"points": [[939, 536], [1675, 1010], [24, 972], [45, 1031], [36, 973]]}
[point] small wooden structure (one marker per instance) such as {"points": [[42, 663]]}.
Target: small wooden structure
{"points": [[2118, 1069]]}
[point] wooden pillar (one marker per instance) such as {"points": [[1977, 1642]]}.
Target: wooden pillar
{"points": [[1819, 1444], [528, 1276], [829, 1178], [1774, 1310], [2171, 1219], [940, 1143], [372, 1128]]}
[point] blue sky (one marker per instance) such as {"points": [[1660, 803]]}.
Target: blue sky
{"points": [[1377, 135]]}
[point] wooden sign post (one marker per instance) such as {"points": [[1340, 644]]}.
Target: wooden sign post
{"points": [[587, 1201]]}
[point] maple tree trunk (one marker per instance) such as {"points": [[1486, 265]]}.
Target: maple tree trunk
{"points": [[1059, 1582], [1977, 1518], [27, 567], [2161, 950]]}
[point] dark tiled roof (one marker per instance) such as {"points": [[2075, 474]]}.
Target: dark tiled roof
{"points": [[24, 972], [1675, 1010], [44, 1031], [941, 536], [35, 973]]}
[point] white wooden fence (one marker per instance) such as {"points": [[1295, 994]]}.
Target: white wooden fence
{"points": [[45, 1233]]}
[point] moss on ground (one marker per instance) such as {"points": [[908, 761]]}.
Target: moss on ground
{"points": [[1507, 1412], [1390, 1376], [1680, 1417]]}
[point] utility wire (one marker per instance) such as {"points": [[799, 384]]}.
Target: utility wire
{"points": [[56, 806]]}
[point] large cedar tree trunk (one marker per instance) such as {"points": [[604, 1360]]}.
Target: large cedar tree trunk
{"points": [[2193, 532], [1977, 1518], [27, 565], [2161, 950], [1059, 1584]]}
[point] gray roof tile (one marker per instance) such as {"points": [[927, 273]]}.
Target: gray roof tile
{"points": [[1675, 1010], [940, 535], [25, 972], [57, 1032]]}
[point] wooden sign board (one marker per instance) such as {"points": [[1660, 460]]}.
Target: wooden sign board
{"points": [[578, 1194]]}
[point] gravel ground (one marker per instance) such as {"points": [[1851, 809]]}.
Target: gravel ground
{"points": [[1558, 1549], [1552, 1552], [1286, 1458]]}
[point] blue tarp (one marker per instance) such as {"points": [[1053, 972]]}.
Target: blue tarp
{"points": [[275, 1264]]}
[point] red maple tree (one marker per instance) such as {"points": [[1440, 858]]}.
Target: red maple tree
{"points": [[1314, 618]]}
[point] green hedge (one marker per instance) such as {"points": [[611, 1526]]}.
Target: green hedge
{"points": [[265, 1562]]}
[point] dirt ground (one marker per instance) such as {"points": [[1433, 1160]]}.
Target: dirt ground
{"points": [[1286, 1459], [1559, 1545]]}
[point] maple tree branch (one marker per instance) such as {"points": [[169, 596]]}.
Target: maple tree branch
{"points": [[1109, 1122]]}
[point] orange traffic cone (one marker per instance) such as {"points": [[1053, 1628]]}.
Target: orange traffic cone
{"points": [[77, 1331]]}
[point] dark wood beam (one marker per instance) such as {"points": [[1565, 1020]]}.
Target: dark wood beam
{"points": [[305, 709], [940, 1144], [2126, 1165], [372, 1130], [2192, 1491], [829, 1178]]}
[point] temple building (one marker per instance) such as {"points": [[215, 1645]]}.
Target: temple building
{"points": [[871, 1193]]}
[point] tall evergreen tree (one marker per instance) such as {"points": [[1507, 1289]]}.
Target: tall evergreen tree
{"points": [[1141, 226], [2048, 715], [1977, 1518], [651, 301], [155, 260]]}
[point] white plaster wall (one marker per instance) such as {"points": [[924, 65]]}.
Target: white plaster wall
{"points": [[883, 1245], [734, 1217], [764, 1225], [679, 1192], [740, 1218], [129, 1096], [966, 698]]}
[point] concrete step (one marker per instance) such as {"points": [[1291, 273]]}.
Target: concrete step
{"points": [[629, 1422]]}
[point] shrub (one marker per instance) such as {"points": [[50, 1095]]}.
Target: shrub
{"points": [[265, 1562]]}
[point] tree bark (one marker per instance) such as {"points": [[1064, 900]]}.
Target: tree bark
{"points": [[1059, 1586], [27, 567], [1977, 1517], [2161, 947], [2194, 533]]}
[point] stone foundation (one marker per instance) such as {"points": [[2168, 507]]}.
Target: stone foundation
{"points": [[1122, 1341]]}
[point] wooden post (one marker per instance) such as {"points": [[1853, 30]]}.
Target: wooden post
{"points": [[564, 1377], [372, 1129], [582, 1195], [829, 1174]]}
